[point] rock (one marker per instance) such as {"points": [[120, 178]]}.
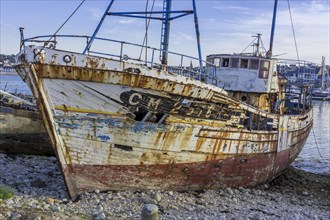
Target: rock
{"points": [[242, 189], [230, 191], [100, 208], [305, 193], [266, 186], [149, 212], [100, 216], [15, 216], [97, 191], [190, 200], [56, 208], [38, 183], [149, 201], [163, 205], [170, 193], [257, 192], [236, 191], [50, 201], [8, 214], [174, 207], [156, 196]]}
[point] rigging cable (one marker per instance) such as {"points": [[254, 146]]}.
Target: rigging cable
{"points": [[317, 147], [263, 46], [294, 34], [82, 2], [295, 42], [249, 45], [146, 33], [145, 40]]}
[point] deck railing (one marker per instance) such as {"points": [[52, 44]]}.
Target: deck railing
{"points": [[125, 51]]}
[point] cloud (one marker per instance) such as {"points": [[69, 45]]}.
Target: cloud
{"points": [[230, 7], [126, 20], [96, 14], [4, 24], [311, 23]]}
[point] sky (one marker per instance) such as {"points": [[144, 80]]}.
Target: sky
{"points": [[226, 26]]}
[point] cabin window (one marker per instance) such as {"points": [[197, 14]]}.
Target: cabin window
{"points": [[234, 62], [254, 64], [216, 61], [244, 63], [225, 62], [264, 69], [209, 61]]}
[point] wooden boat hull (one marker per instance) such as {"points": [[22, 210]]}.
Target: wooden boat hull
{"points": [[119, 126], [23, 132]]}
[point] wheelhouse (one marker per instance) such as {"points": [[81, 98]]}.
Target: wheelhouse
{"points": [[242, 73]]}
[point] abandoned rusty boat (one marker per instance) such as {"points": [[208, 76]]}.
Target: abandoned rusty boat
{"points": [[119, 122]]}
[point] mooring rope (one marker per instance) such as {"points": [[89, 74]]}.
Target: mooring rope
{"points": [[317, 146]]}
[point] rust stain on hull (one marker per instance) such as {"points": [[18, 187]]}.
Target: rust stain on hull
{"points": [[243, 171]]}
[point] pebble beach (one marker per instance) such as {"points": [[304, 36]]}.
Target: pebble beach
{"points": [[40, 193]]}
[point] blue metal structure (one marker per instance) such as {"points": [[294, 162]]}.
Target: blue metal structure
{"points": [[269, 53], [167, 15], [98, 27], [165, 33]]}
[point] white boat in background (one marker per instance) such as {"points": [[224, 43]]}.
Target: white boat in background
{"points": [[323, 93], [120, 122]]}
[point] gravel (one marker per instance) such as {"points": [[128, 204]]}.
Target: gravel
{"points": [[40, 193]]}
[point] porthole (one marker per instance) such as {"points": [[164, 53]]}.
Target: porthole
{"points": [[67, 59]]}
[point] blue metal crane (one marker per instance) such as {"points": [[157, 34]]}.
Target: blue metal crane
{"points": [[165, 16]]}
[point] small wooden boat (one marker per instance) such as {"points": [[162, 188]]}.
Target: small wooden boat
{"points": [[21, 128]]}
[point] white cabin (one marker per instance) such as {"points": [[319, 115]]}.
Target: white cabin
{"points": [[242, 73]]}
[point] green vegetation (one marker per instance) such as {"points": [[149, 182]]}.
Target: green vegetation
{"points": [[6, 192]]}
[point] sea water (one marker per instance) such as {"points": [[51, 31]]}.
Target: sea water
{"points": [[315, 156], [13, 84]]}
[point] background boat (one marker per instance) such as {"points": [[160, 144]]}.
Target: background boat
{"points": [[323, 92], [21, 128]]}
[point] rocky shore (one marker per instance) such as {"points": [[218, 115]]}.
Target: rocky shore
{"points": [[40, 194]]}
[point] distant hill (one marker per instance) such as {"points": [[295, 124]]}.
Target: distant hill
{"points": [[4, 57]]}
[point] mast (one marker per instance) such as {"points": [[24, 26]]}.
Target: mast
{"points": [[165, 35], [322, 73], [257, 51], [22, 44], [270, 51], [198, 38]]}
